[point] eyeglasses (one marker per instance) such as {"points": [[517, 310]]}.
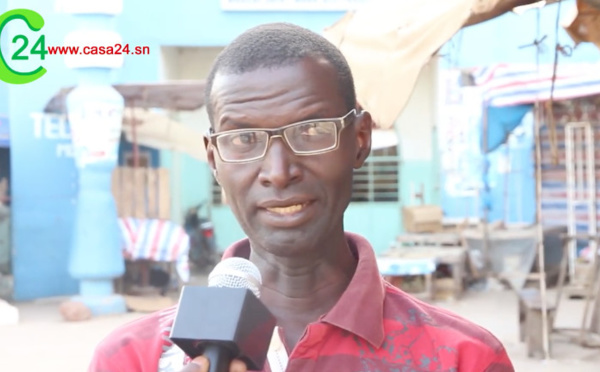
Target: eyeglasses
{"points": [[308, 137]]}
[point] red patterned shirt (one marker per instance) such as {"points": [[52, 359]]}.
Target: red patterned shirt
{"points": [[374, 327]]}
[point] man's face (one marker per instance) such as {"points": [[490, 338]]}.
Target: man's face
{"points": [[288, 203]]}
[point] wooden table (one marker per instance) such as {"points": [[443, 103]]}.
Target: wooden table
{"points": [[423, 260], [395, 268]]}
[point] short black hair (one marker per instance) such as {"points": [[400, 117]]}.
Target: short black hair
{"points": [[279, 45]]}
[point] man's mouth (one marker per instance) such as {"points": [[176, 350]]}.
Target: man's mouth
{"points": [[287, 210]]}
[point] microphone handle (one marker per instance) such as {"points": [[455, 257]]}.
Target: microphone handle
{"points": [[220, 357]]}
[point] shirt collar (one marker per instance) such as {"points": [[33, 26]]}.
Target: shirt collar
{"points": [[360, 308]]}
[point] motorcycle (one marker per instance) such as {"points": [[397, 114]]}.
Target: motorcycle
{"points": [[203, 252]]}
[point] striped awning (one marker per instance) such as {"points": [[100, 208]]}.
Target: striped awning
{"points": [[518, 84]]}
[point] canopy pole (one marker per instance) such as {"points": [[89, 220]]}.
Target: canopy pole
{"points": [[540, 234], [486, 234], [538, 206], [507, 172]]}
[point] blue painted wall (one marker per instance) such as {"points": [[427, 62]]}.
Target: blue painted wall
{"points": [[43, 181], [3, 98], [3, 87], [379, 222], [193, 23]]}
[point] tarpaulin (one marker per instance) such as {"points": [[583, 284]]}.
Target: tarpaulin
{"points": [[501, 121]]}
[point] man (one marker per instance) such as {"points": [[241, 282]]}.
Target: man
{"points": [[287, 134]]}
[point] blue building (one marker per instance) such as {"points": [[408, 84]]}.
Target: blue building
{"points": [[183, 37]]}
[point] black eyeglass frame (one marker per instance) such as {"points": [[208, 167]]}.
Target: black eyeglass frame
{"points": [[340, 124]]}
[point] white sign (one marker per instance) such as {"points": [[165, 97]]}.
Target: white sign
{"points": [[459, 136], [292, 5]]}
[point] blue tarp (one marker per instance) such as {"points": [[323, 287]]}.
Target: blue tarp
{"points": [[501, 122]]}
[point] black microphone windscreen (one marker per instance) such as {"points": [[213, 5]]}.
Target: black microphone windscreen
{"points": [[225, 320]]}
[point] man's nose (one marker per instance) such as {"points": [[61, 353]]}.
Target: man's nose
{"points": [[279, 167]]}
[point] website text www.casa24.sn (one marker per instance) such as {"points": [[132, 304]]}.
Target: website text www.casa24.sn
{"points": [[116, 49]]}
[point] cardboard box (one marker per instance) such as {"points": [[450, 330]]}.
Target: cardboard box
{"points": [[422, 218]]}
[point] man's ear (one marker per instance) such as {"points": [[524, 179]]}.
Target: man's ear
{"points": [[210, 156], [364, 124]]}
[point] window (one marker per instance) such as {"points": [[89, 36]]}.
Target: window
{"points": [[377, 179]]}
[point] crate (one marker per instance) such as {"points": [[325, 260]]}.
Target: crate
{"points": [[422, 218]]}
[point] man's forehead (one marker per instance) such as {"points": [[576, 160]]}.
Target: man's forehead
{"points": [[266, 72], [268, 87]]}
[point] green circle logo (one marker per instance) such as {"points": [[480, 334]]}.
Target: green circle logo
{"points": [[35, 22]]}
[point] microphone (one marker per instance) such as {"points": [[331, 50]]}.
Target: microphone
{"points": [[225, 320]]}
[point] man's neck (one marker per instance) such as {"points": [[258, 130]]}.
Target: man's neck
{"points": [[299, 290], [296, 277]]}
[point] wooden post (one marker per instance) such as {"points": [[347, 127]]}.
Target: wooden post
{"points": [[540, 233], [152, 193], [486, 234], [139, 195], [164, 196]]}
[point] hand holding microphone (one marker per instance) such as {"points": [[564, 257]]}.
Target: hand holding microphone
{"points": [[201, 364], [224, 321]]}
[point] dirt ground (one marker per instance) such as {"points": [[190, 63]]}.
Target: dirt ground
{"points": [[44, 342]]}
